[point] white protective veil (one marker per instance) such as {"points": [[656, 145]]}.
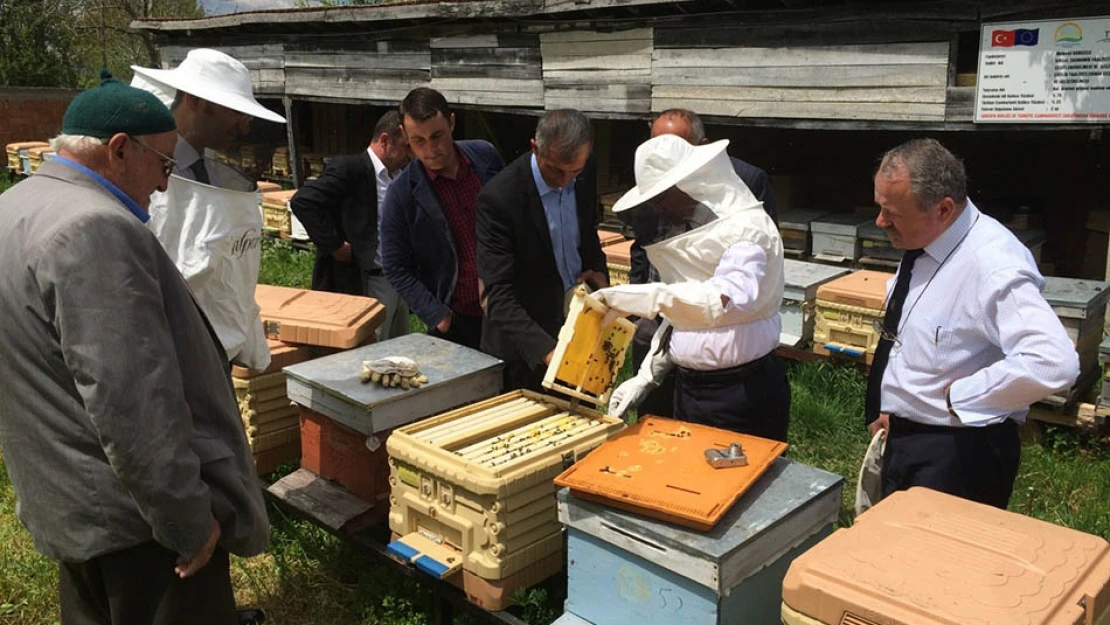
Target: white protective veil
{"points": [[685, 262], [214, 237]]}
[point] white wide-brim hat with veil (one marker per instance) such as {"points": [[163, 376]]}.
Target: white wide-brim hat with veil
{"points": [[704, 173], [209, 75]]}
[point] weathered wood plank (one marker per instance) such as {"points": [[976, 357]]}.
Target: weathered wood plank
{"points": [[578, 36], [368, 43], [269, 56], [932, 75], [589, 104], [874, 54], [519, 72], [465, 41], [331, 505], [876, 111], [495, 98], [576, 76], [961, 104], [807, 33], [478, 56], [346, 74], [599, 90], [487, 84], [596, 48], [361, 61], [615, 62], [801, 94], [357, 92]]}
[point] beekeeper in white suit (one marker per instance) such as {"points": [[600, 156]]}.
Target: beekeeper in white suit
{"points": [[208, 218], [720, 258]]}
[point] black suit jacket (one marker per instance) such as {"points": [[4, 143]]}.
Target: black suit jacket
{"points": [[523, 293], [341, 205], [756, 180]]}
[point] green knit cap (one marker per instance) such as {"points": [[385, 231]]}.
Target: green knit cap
{"points": [[116, 107]]}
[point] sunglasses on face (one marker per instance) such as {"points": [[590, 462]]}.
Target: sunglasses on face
{"points": [[168, 164]]}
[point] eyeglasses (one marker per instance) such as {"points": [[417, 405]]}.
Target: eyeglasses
{"points": [[885, 332], [168, 164]]}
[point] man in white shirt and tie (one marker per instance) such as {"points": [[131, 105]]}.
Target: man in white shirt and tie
{"points": [[968, 341], [722, 269]]}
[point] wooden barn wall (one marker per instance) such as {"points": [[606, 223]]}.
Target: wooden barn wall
{"points": [[596, 71], [501, 70], [877, 82], [266, 63], [357, 69]]}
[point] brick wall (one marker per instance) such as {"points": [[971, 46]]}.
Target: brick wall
{"points": [[32, 113]]}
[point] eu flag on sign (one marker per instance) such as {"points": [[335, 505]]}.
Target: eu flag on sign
{"points": [[1026, 36]]}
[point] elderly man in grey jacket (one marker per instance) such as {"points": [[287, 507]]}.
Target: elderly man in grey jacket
{"points": [[118, 421]]}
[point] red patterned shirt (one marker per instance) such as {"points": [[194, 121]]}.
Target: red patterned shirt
{"points": [[456, 199]]}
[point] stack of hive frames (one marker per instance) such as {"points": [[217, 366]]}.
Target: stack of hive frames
{"points": [[479, 480]]}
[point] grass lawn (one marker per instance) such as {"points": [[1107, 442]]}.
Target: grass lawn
{"points": [[310, 578]]}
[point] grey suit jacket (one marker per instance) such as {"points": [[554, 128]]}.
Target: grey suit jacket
{"points": [[118, 421]]}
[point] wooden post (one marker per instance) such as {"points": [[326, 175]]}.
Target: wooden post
{"points": [[291, 132]]}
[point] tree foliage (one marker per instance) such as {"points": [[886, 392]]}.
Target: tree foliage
{"points": [[64, 42]]}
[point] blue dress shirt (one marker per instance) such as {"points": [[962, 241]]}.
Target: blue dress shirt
{"points": [[561, 209]]}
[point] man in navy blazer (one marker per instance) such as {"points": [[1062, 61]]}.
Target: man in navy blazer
{"points": [[537, 239], [428, 234]]}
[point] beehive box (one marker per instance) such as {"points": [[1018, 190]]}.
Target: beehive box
{"points": [[344, 421], [794, 229], [36, 157], [835, 238], [799, 298], [627, 569], [847, 308], [17, 152], [316, 317], [478, 482], [1032, 238], [472, 488], [619, 258], [658, 468], [276, 216], [876, 250], [279, 164], [270, 419], [313, 163], [921, 557], [1081, 307]]}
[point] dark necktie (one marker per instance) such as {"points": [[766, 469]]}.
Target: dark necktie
{"points": [[199, 171], [891, 321]]}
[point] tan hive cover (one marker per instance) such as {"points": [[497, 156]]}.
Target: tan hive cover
{"points": [[317, 317], [865, 289], [921, 557]]}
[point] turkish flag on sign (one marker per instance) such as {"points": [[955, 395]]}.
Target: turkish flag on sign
{"points": [[1002, 39]]}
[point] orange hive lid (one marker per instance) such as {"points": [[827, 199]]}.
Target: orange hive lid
{"points": [[265, 187], [278, 198], [608, 237], [281, 355], [21, 145], [619, 253], [317, 317], [921, 557], [864, 288], [657, 468]]}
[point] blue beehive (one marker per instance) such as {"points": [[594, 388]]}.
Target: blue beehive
{"points": [[625, 569]]}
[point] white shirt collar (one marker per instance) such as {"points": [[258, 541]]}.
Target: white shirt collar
{"points": [[379, 167], [951, 237], [185, 154]]}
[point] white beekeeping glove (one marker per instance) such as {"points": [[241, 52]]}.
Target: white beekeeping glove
{"points": [[393, 371], [652, 371]]}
